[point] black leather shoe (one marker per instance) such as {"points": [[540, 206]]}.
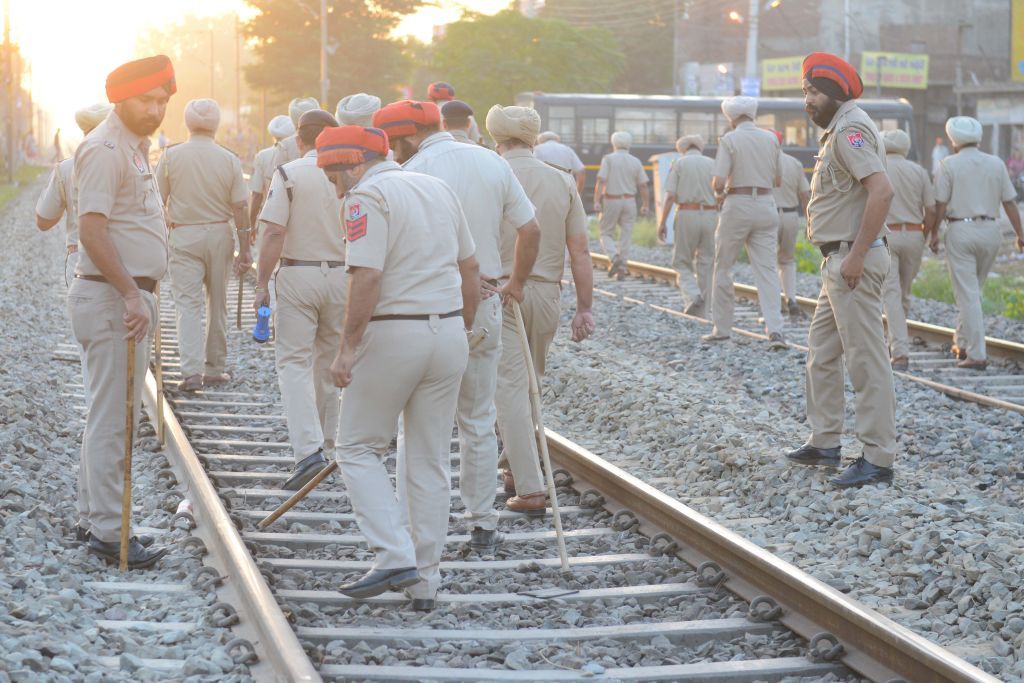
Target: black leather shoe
{"points": [[83, 536], [811, 455], [484, 541], [862, 472], [377, 581], [138, 557], [307, 468]]}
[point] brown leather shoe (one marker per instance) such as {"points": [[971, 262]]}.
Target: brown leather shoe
{"points": [[193, 383], [901, 363], [508, 481], [969, 364], [222, 378], [535, 504]]}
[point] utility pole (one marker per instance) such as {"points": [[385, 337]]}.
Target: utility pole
{"points": [[9, 82], [753, 18], [211, 61], [675, 49], [324, 81], [846, 30], [238, 77]]}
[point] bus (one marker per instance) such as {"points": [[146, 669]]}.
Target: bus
{"points": [[585, 122]]}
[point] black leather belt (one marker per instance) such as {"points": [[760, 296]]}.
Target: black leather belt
{"points": [[146, 284], [970, 219], [790, 209], [316, 264], [409, 316], [830, 248], [493, 283]]}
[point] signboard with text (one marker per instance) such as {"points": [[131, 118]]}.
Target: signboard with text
{"points": [[783, 73], [1017, 40], [901, 70]]}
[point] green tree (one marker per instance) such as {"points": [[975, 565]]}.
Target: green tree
{"points": [[363, 57], [489, 59], [642, 31]]}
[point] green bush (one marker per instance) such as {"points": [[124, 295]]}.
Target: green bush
{"points": [[22, 177], [645, 231]]}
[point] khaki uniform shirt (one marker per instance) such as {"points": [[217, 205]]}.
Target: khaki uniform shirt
{"points": [[972, 183], [485, 185], [622, 172], [113, 178], [311, 217], [749, 157], [689, 179], [59, 198], [557, 154], [559, 212], [284, 151], [912, 190], [262, 171], [851, 150], [410, 227], [200, 181], [787, 195]]}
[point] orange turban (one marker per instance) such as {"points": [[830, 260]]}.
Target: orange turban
{"points": [[342, 146], [837, 72], [139, 77], [440, 92], [400, 119]]}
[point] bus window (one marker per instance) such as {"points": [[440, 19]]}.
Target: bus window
{"points": [[595, 131], [887, 124], [647, 126], [698, 123], [562, 120], [765, 121], [793, 126]]}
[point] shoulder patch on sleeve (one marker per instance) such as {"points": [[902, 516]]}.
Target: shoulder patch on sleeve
{"points": [[355, 221], [855, 139]]}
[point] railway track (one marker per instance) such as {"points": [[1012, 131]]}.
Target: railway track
{"points": [[656, 591], [931, 363]]}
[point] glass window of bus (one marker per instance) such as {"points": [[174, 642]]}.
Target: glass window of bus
{"points": [[888, 124], [595, 131], [698, 123], [793, 126], [765, 121], [562, 120], [647, 126]]}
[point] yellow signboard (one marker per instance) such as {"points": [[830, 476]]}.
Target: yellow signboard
{"points": [[900, 70], [1017, 41], [783, 73]]}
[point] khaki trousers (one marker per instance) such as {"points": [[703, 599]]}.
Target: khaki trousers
{"points": [[621, 213], [789, 229], [755, 223], [410, 368], [541, 313], [310, 313], [96, 311], [200, 259], [693, 252], [971, 249], [848, 322], [905, 250], [478, 444]]}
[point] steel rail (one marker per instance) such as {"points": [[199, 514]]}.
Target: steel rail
{"points": [[262, 620], [873, 645]]}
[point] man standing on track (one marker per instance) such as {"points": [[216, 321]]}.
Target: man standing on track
{"points": [[123, 255], [490, 196], [850, 197], [303, 231], [202, 187], [620, 178], [791, 198], [747, 168], [550, 150], [563, 224], [280, 128], [969, 188], [911, 218], [693, 244], [413, 291]]}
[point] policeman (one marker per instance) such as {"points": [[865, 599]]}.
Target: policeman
{"points": [[303, 232], [747, 167], [202, 187], [620, 178], [59, 196], [791, 199], [911, 217], [288, 149], [123, 255], [850, 196], [357, 109], [490, 195], [456, 118], [551, 150], [414, 292], [563, 224], [969, 188], [280, 127], [441, 92], [693, 245]]}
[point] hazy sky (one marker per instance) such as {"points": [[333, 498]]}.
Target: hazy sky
{"points": [[74, 44]]}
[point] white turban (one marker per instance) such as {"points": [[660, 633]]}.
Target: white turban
{"points": [[896, 142], [357, 110], [89, 117], [281, 127], [621, 140], [963, 130], [513, 123], [299, 106], [548, 135], [735, 107], [202, 115], [687, 141]]}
